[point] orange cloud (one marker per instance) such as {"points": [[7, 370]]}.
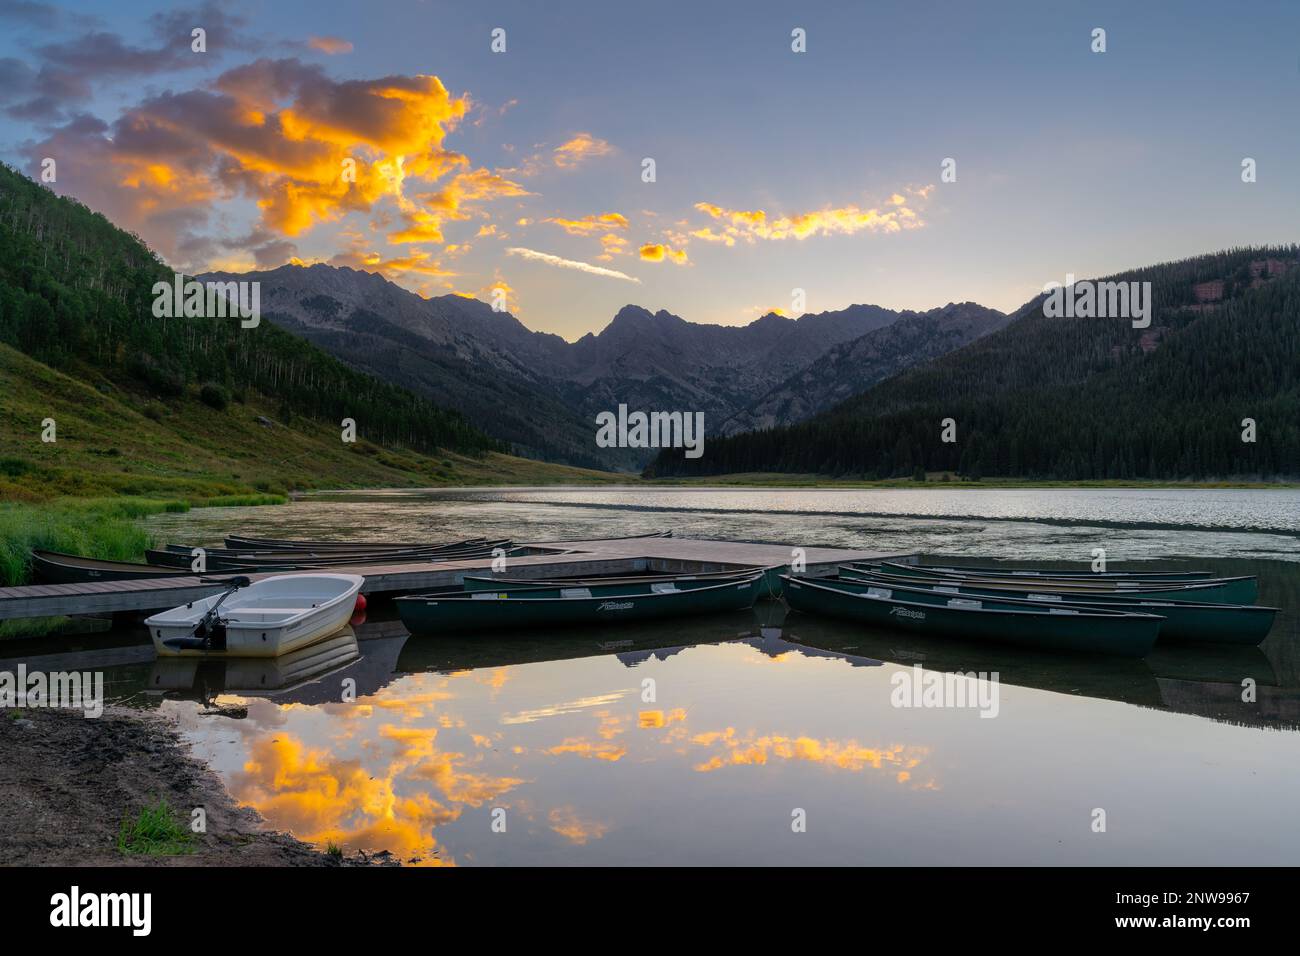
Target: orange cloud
{"points": [[566, 822], [658, 252], [752, 224], [330, 45], [305, 148], [589, 749], [582, 147], [590, 225], [612, 245]]}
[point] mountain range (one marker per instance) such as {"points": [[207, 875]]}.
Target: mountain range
{"points": [[540, 393]]}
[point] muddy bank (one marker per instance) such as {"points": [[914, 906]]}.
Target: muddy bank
{"points": [[66, 784]]}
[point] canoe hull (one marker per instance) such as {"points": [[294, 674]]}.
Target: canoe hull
{"points": [[1202, 623], [1243, 590], [69, 569], [955, 569], [1123, 636], [434, 614]]}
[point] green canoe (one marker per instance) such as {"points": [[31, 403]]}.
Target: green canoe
{"points": [[1051, 573], [526, 607], [1046, 628], [1183, 620], [1242, 590]]}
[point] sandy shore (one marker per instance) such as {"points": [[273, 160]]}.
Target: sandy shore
{"points": [[66, 784]]}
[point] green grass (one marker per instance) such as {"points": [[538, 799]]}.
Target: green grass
{"points": [[334, 850], [21, 627], [95, 529], [92, 527], [241, 501], [155, 831]]}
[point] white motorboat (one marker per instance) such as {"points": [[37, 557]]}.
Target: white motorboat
{"points": [[268, 618]]}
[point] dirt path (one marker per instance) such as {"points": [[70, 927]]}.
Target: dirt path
{"points": [[66, 784]]}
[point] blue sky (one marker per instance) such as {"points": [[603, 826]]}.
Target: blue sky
{"points": [[1067, 160]]}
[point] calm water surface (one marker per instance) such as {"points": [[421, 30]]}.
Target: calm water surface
{"points": [[696, 742]]}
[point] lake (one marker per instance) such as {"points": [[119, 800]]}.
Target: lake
{"points": [[767, 737]]}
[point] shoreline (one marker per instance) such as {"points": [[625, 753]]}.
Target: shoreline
{"points": [[67, 783], [795, 483]]}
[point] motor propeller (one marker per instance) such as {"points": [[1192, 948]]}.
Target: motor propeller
{"points": [[210, 631]]}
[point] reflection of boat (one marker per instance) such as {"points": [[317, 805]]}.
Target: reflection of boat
{"points": [[1013, 622], [1246, 624], [52, 567], [1124, 679], [630, 643], [265, 619], [208, 677], [456, 609]]}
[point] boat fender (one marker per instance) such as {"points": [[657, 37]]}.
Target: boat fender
{"points": [[361, 602]]}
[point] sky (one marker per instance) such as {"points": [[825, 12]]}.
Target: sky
{"points": [[474, 170]]}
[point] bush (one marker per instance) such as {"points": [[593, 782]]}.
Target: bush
{"points": [[163, 379], [214, 396]]}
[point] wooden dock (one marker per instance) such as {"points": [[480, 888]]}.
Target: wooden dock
{"points": [[605, 556]]}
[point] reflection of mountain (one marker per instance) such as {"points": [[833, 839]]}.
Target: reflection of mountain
{"points": [[774, 646], [1272, 707], [636, 658]]}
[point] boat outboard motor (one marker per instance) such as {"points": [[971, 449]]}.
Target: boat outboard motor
{"points": [[210, 633]]}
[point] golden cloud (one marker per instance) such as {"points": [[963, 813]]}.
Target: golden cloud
{"points": [[753, 224], [566, 822], [305, 148], [580, 148], [658, 252], [752, 750], [590, 225]]}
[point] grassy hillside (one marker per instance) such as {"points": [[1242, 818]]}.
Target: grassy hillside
{"points": [[117, 439]]}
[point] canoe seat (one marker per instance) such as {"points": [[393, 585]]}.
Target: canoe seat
{"points": [[575, 592], [1044, 597], [486, 596], [665, 588], [965, 602], [879, 593], [1061, 610]]}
